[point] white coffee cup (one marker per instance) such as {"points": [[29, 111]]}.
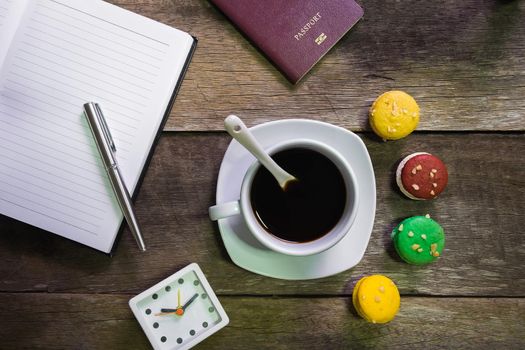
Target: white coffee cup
{"points": [[243, 205]]}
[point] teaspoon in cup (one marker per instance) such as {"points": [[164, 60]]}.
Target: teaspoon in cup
{"points": [[236, 128]]}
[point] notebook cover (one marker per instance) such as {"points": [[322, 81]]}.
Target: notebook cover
{"points": [[156, 141], [293, 34]]}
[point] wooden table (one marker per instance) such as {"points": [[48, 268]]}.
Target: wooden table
{"points": [[463, 61]]}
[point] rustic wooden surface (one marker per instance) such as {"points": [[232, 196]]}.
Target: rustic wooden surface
{"points": [[64, 321], [472, 297], [465, 64], [481, 211], [462, 60]]}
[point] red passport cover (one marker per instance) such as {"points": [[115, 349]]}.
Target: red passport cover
{"points": [[293, 34]]}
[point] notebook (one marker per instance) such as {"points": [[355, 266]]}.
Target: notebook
{"points": [[55, 56], [293, 34]]}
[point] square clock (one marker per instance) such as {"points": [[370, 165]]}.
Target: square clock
{"points": [[180, 311]]}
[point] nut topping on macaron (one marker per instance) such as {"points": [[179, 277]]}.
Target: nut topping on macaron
{"points": [[424, 245], [394, 115], [421, 176]]}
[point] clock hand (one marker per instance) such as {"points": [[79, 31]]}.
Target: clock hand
{"points": [[168, 310], [179, 311], [189, 301]]}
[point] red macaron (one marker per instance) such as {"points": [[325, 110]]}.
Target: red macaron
{"points": [[421, 176]]}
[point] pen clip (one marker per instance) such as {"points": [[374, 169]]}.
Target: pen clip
{"points": [[105, 128]]}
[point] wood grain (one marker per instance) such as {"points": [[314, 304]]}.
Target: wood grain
{"points": [[481, 212], [80, 321], [463, 61]]}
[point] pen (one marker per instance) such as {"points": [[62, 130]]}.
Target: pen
{"points": [[107, 149]]}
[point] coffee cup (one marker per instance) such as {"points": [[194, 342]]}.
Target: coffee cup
{"points": [[280, 228]]}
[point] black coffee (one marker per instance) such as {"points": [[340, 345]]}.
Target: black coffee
{"points": [[309, 208]]}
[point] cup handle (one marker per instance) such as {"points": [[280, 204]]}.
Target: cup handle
{"points": [[224, 210]]}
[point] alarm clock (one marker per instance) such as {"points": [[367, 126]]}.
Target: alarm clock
{"points": [[180, 311]]}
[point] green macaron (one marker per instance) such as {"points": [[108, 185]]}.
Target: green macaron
{"points": [[419, 240]]}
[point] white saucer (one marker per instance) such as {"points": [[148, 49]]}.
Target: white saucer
{"points": [[248, 253]]}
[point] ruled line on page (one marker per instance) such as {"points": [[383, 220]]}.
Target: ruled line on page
{"points": [[92, 72], [80, 99], [35, 120], [157, 46], [91, 51], [89, 151], [58, 194], [114, 130], [21, 146], [138, 77], [103, 37], [55, 71], [49, 199], [47, 208], [16, 160], [70, 86], [60, 160], [33, 160], [98, 37], [58, 185], [37, 150], [57, 123], [17, 125], [98, 88], [121, 105], [48, 216], [108, 22], [62, 118], [102, 99], [48, 142]]}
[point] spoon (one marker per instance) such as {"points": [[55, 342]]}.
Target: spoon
{"points": [[236, 128]]}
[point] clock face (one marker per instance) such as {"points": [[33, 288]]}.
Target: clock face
{"points": [[180, 311]]}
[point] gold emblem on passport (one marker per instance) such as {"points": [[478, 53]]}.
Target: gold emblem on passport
{"points": [[319, 40]]}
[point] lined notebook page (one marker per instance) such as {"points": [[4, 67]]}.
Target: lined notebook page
{"points": [[66, 53]]}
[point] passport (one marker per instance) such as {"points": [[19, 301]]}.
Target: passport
{"points": [[293, 34]]}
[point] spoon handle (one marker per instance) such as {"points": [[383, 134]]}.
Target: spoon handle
{"points": [[236, 128]]}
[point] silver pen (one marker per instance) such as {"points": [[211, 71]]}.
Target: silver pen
{"points": [[107, 149]]}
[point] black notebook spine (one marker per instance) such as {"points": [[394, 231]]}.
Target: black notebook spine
{"points": [[157, 138]]}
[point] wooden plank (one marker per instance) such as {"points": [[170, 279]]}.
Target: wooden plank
{"points": [[72, 321], [481, 212], [463, 61]]}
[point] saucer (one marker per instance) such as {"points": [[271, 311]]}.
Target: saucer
{"points": [[247, 252]]}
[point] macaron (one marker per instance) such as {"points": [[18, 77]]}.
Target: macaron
{"points": [[394, 115], [421, 176], [376, 299], [419, 240]]}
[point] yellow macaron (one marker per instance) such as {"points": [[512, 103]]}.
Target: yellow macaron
{"points": [[394, 115], [376, 299]]}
